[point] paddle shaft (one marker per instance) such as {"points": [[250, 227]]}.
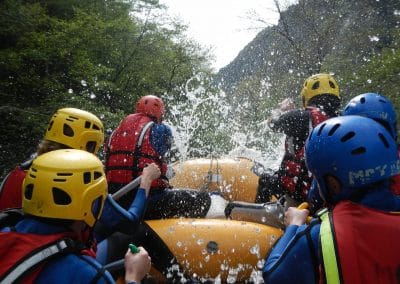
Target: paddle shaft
{"points": [[118, 264], [125, 189], [115, 265]]}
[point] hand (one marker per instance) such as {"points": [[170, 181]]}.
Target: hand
{"points": [[287, 104], [295, 216], [137, 265], [150, 173]]}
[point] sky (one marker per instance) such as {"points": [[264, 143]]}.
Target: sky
{"points": [[226, 26]]}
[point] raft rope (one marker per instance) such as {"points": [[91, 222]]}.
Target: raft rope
{"points": [[210, 175]]}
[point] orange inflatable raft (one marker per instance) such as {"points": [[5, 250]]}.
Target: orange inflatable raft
{"points": [[235, 178], [216, 250]]}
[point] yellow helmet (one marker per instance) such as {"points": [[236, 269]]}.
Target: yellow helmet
{"points": [[319, 84], [67, 184], [77, 129]]}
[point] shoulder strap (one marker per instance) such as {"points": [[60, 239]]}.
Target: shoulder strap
{"points": [[328, 248], [138, 149], [37, 257], [4, 182], [144, 130]]}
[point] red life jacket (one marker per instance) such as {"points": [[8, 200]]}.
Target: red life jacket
{"points": [[366, 244], [395, 182], [295, 179], [25, 255], [11, 189], [129, 150]]}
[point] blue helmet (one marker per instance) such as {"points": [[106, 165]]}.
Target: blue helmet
{"points": [[356, 150], [374, 106]]}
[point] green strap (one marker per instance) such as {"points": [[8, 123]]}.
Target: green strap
{"points": [[328, 250]]}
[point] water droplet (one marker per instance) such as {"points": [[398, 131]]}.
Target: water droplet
{"points": [[255, 249]]}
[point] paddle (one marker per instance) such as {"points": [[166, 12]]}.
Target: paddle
{"points": [[125, 189]]}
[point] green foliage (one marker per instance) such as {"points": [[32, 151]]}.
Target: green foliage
{"points": [[103, 55], [99, 55]]}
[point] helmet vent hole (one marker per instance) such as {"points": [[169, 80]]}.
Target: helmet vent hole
{"points": [[50, 125], [60, 197], [333, 130], [97, 175], [28, 191], [320, 129], [332, 85], [383, 138], [87, 124], [358, 151], [315, 85], [87, 177], [96, 206], [91, 146], [64, 174], [96, 127], [68, 131], [348, 136], [32, 172], [362, 100]]}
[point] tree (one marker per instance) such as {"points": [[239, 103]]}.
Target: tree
{"points": [[99, 55]]}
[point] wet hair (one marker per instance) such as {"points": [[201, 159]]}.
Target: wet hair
{"points": [[330, 104], [48, 146]]}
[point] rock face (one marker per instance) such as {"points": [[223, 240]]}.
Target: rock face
{"points": [[313, 36]]}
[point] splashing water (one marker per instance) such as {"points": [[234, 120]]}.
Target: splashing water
{"points": [[204, 124]]}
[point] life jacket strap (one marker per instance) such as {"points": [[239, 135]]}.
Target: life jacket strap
{"points": [[35, 259], [328, 248]]}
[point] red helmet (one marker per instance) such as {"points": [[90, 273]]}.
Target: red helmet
{"points": [[152, 106]]}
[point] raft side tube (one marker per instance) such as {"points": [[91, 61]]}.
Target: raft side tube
{"points": [[216, 248], [233, 177]]}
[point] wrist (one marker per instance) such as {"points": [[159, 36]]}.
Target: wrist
{"points": [[145, 184], [132, 280]]}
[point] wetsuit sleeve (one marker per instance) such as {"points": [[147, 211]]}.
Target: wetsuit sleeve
{"points": [[293, 123], [293, 259], [113, 214]]}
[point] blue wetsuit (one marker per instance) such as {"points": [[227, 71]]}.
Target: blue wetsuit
{"points": [[68, 268], [295, 257], [114, 215]]}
